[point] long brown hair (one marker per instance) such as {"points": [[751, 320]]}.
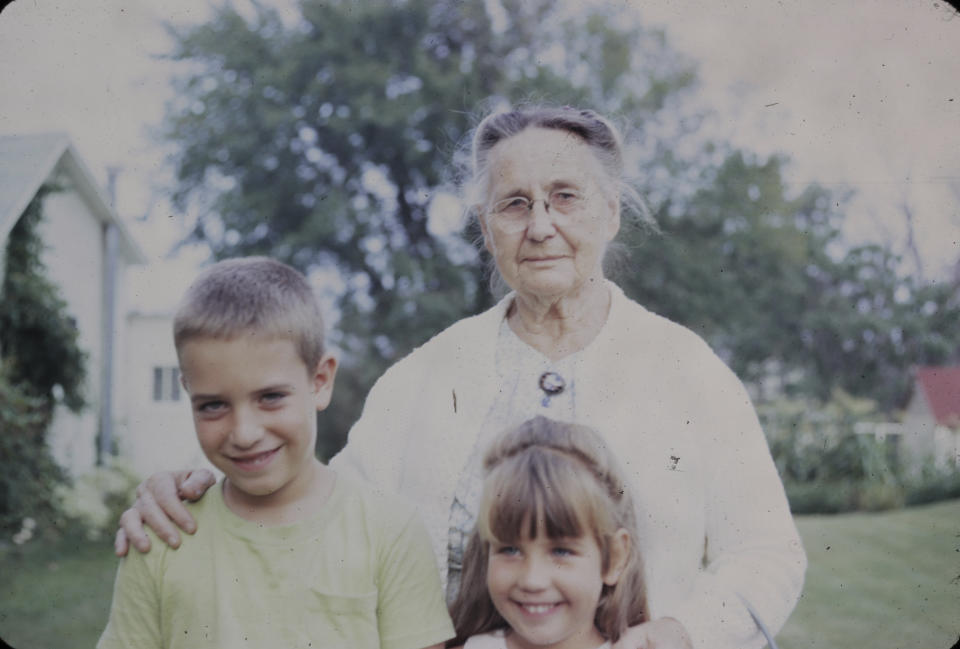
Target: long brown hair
{"points": [[561, 476]]}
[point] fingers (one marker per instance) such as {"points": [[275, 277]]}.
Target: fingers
{"points": [[196, 483], [160, 507], [120, 543], [131, 532], [148, 511]]}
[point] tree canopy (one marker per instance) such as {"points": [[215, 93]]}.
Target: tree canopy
{"points": [[39, 356], [763, 274], [38, 337], [325, 141]]}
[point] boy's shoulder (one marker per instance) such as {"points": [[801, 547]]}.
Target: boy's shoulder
{"points": [[204, 512], [355, 507], [376, 506]]}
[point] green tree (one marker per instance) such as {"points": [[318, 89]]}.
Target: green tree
{"points": [[38, 337], [873, 325], [28, 474], [38, 343], [763, 275], [323, 143], [732, 261]]}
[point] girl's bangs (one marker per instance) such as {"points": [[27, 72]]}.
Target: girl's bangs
{"points": [[539, 491]]}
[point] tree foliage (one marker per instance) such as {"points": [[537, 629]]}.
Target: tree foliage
{"points": [[38, 344], [323, 142], [28, 474], [38, 338], [763, 274]]}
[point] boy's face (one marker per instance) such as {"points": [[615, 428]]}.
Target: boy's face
{"points": [[254, 409]]}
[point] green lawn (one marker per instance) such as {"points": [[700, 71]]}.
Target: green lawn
{"points": [[877, 581], [55, 595], [880, 581]]}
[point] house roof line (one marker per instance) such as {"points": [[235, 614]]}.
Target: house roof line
{"points": [[27, 161], [941, 389], [46, 155]]}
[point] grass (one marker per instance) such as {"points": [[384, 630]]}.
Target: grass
{"points": [[883, 581], [55, 594]]}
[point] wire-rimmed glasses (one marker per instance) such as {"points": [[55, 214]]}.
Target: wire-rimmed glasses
{"points": [[511, 213]]}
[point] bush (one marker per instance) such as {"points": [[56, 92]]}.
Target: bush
{"points": [[818, 442], [837, 497], [932, 486], [38, 335], [825, 465], [42, 358], [28, 474], [879, 496], [92, 504], [820, 497]]}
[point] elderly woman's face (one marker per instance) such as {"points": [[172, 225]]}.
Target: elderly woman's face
{"points": [[547, 252]]}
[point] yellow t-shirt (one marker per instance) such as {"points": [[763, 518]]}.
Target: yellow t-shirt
{"points": [[360, 574]]}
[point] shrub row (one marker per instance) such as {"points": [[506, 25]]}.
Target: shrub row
{"points": [[828, 468]]}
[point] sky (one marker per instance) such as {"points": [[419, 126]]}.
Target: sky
{"points": [[865, 94]]}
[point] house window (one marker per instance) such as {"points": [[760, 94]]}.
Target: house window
{"points": [[166, 383]]}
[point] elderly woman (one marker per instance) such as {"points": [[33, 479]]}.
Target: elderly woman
{"points": [[717, 538]]}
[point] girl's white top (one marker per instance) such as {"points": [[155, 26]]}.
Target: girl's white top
{"points": [[498, 640]]}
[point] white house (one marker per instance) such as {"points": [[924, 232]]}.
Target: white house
{"points": [[157, 431], [931, 422], [88, 253]]}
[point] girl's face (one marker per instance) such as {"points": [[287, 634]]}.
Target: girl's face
{"points": [[548, 590]]}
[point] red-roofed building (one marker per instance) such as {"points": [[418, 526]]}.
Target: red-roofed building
{"points": [[931, 423]]}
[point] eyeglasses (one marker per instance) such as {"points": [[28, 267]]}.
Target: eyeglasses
{"points": [[511, 213]]}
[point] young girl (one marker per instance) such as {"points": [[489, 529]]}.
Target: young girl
{"points": [[552, 561]]}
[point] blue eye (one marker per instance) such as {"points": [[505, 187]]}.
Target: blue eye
{"points": [[210, 408], [508, 550], [273, 400], [561, 551]]}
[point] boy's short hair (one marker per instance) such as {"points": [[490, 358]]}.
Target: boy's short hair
{"points": [[247, 294]]}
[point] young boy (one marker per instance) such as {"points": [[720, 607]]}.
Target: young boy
{"points": [[287, 553]]}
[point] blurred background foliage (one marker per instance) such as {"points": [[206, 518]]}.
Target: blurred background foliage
{"points": [[38, 336], [324, 142], [831, 461], [29, 474], [42, 364]]}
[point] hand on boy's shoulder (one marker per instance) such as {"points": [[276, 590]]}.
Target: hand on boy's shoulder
{"points": [[198, 510], [159, 506]]}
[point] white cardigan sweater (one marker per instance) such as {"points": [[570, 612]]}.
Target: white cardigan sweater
{"points": [[714, 522]]}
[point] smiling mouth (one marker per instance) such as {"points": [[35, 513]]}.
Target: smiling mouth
{"points": [[254, 462], [537, 609]]}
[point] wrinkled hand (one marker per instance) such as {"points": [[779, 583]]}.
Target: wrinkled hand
{"points": [[159, 505], [662, 633]]}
